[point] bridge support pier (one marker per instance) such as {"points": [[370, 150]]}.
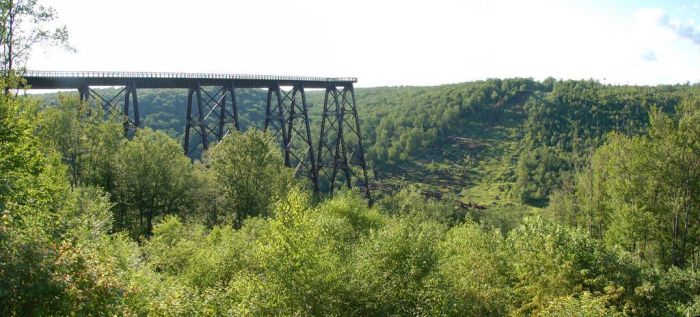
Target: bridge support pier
{"points": [[212, 112], [84, 93], [340, 145], [275, 119], [216, 114], [131, 99], [110, 105], [298, 149]]}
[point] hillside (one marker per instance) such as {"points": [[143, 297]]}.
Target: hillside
{"points": [[505, 145], [496, 197], [500, 144], [607, 174]]}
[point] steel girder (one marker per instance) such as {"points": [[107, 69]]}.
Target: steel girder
{"points": [[211, 114], [340, 147], [112, 105], [276, 119], [298, 144]]}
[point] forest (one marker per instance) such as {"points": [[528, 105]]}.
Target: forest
{"points": [[500, 197], [597, 214]]}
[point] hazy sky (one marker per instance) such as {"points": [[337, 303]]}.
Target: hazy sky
{"points": [[386, 42]]}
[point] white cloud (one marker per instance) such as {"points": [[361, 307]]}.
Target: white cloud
{"points": [[656, 17], [648, 55], [687, 31], [651, 17]]}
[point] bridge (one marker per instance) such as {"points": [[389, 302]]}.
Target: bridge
{"points": [[212, 112]]}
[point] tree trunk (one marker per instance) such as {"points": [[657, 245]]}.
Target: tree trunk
{"points": [[674, 237], [149, 223], [8, 40]]}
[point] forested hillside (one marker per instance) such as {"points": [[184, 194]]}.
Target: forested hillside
{"points": [[500, 197], [500, 144]]}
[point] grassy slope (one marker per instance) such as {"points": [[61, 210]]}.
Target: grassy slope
{"points": [[476, 163]]}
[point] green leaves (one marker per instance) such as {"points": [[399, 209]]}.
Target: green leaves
{"points": [[246, 176], [641, 192], [473, 263], [24, 25], [234, 235], [152, 179], [393, 267]]}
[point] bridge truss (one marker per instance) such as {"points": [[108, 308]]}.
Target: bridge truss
{"points": [[212, 112]]}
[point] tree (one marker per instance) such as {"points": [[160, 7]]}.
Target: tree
{"points": [[393, 269], [152, 179], [472, 266], [653, 188], [44, 224], [247, 176], [642, 192], [23, 25], [20, 160], [88, 144]]}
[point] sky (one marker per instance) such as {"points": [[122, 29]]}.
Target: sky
{"points": [[386, 43]]}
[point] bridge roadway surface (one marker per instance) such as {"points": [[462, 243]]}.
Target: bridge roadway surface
{"points": [[78, 79]]}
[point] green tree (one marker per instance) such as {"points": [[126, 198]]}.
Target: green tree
{"points": [[23, 25], [152, 179], [49, 231], [653, 188], [20, 159], [247, 176], [552, 263], [477, 278], [86, 141], [639, 192], [393, 269]]}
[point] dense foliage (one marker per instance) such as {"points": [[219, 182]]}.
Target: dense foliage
{"points": [[641, 192], [501, 143], [95, 224]]}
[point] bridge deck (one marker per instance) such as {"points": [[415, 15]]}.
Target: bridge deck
{"points": [[74, 80]]}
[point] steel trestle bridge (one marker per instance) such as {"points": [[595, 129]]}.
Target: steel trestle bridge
{"points": [[212, 112]]}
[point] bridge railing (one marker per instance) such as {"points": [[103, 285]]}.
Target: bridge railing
{"points": [[172, 75]]}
